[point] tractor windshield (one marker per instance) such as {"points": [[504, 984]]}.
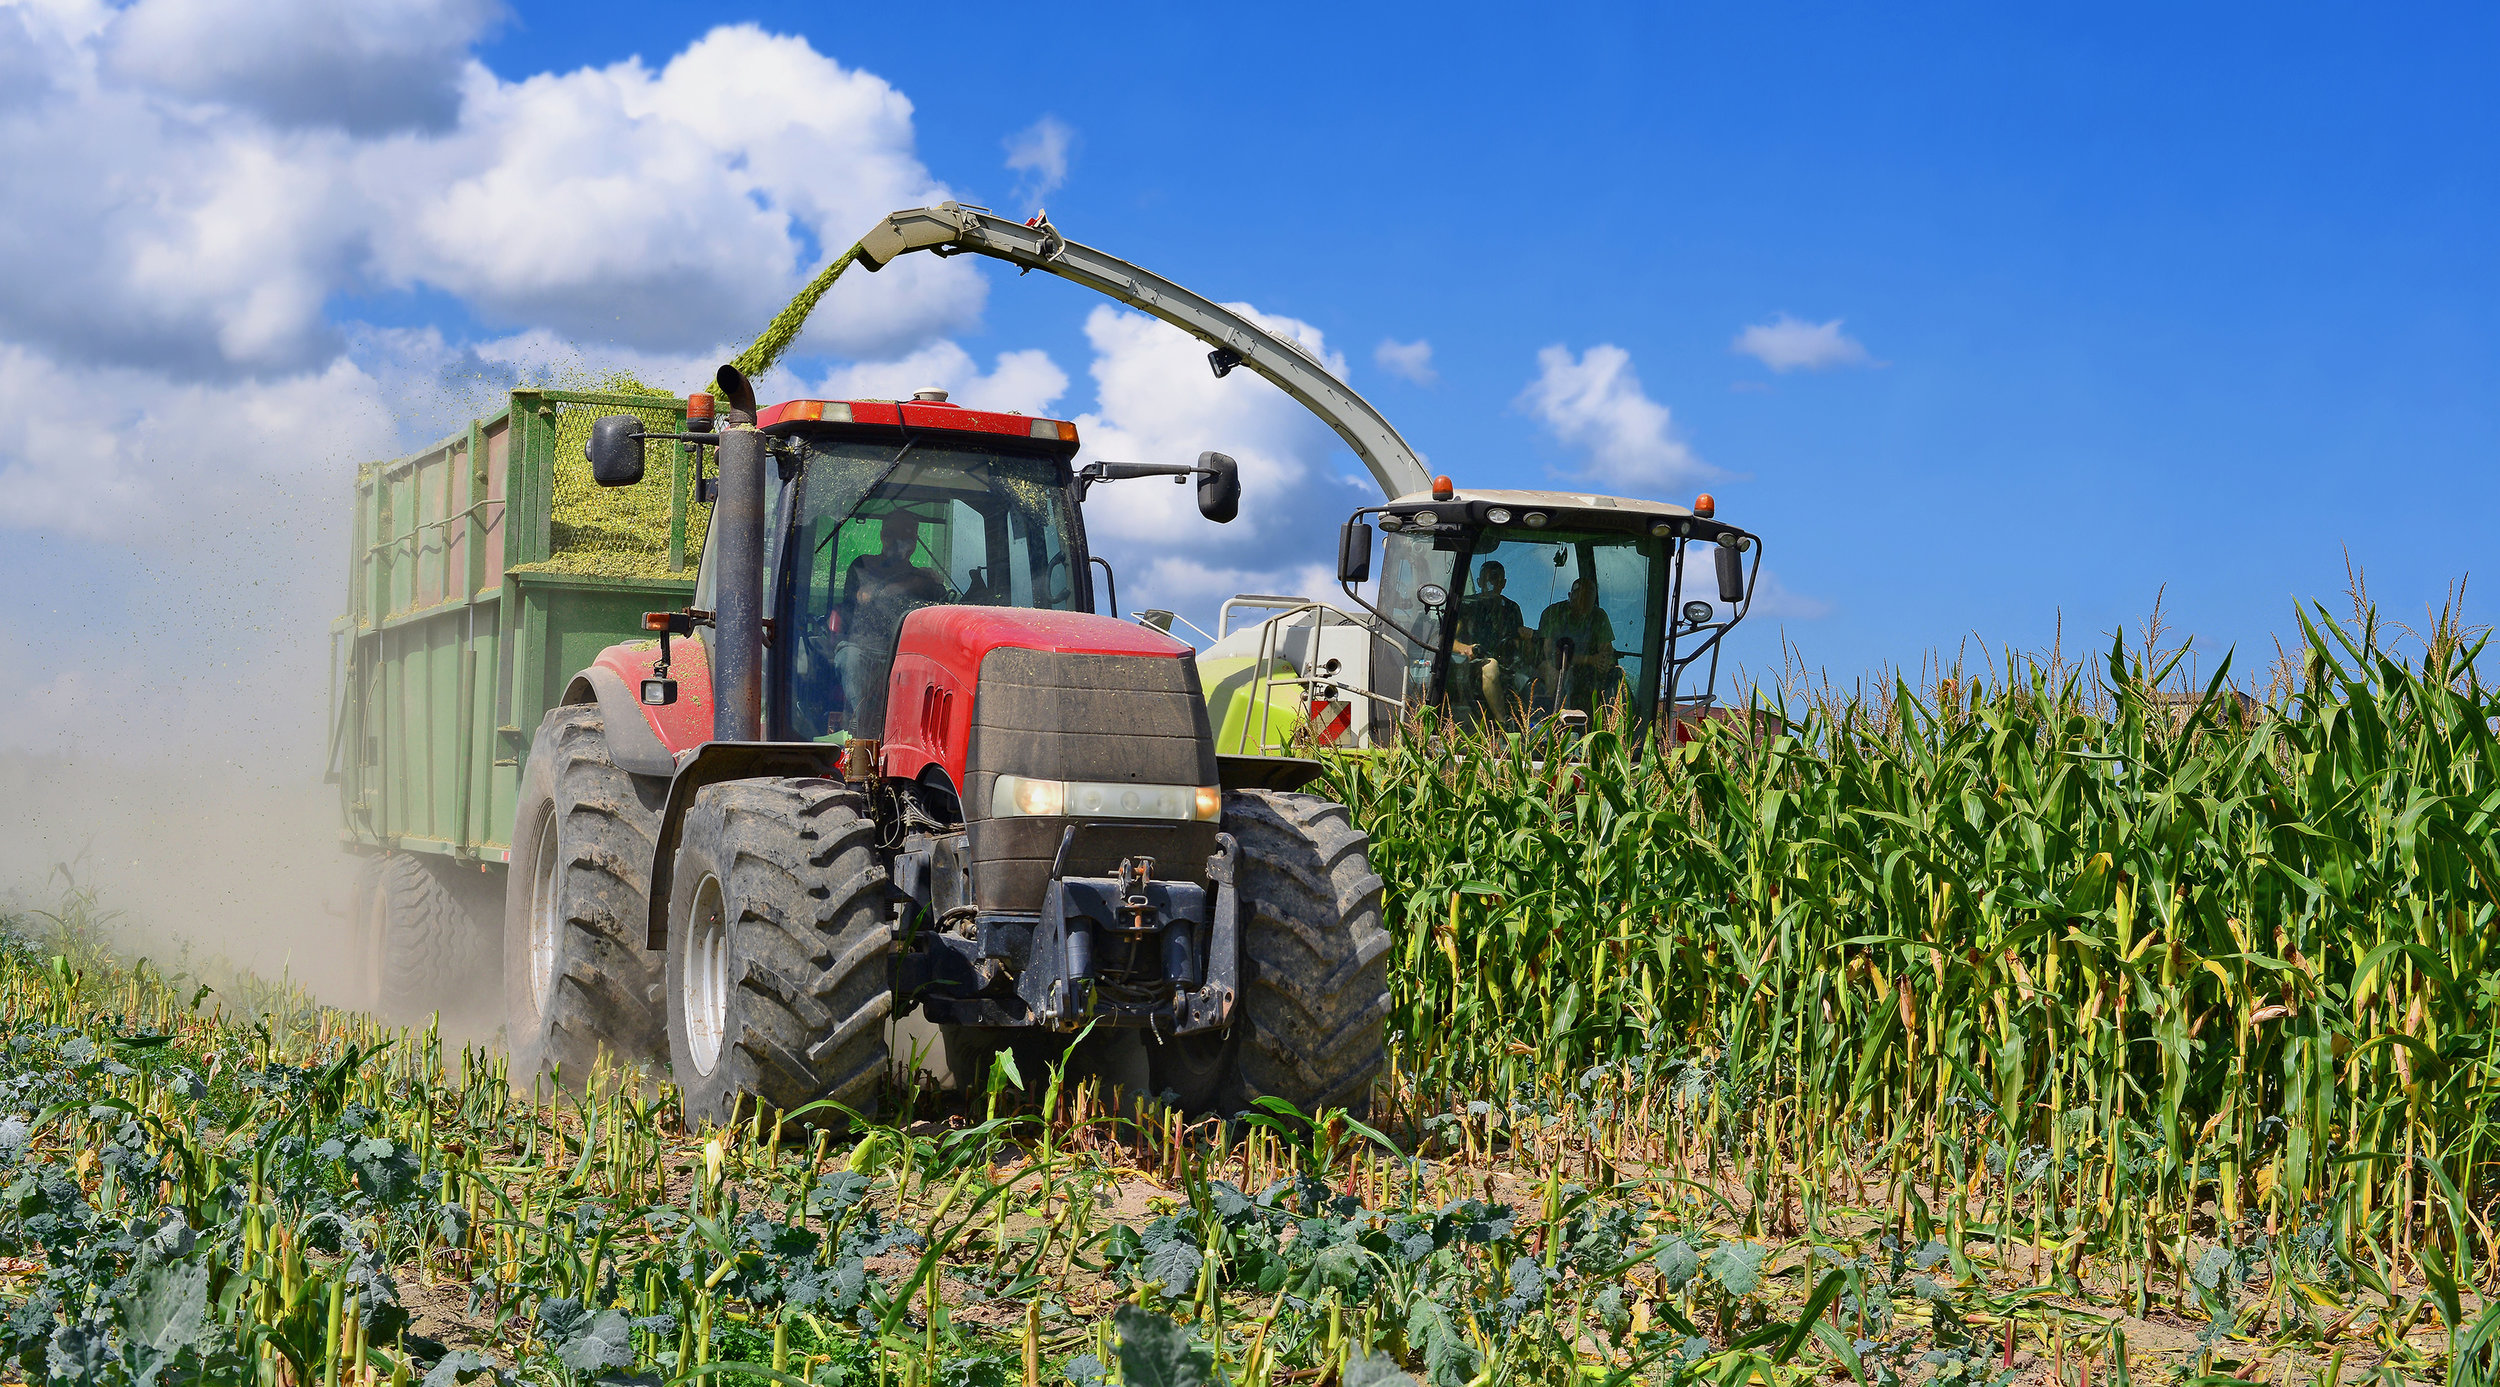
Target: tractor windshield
{"points": [[1518, 623], [872, 537]]}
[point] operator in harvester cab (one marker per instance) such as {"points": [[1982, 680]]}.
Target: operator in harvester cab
{"points": [[1578, 619], [1490, 632], [878, 591]]}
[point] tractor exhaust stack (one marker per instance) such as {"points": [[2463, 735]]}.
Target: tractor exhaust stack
{"points": [[738, 622]]}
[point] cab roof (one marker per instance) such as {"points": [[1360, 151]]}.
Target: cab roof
{"points": [[1565, 509], [918, 414], [1546, 500]]}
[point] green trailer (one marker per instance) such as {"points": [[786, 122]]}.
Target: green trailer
{"points": [[484, 572]]}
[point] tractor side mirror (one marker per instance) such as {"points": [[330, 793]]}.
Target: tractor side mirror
{"points": [[1354, 552], [1731, 574], [615, 450], [1219, 488]]}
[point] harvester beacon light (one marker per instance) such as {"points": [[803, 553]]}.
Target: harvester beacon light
{"points": [[1442, 490], [1705, 505]]}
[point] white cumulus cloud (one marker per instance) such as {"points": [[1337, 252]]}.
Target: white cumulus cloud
{"points": [[651, 207], [194, 213], [369, 66], [1027, 382], [1594, 403], [185, 227], [1039, 152], [1786, 344], [1160, 403], [1408, 361]]}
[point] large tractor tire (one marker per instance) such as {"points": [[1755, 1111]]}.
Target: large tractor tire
{"points": [[576, 978], [780, 933], [418, 944], [1310, 1024]]}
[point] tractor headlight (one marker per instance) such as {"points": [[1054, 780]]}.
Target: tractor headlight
{"points": [[1013, 796]]}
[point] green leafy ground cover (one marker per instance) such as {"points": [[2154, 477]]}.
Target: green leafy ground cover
{"points": [[1970, 1039]]}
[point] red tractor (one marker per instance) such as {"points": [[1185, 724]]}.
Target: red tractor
{"points": [[892, 759]]}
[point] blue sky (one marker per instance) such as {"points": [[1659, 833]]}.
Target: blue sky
{"points": [[2140, 302], [2189, 303]]}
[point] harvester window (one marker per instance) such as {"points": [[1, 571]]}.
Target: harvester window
{"points": [[1538, 622]]}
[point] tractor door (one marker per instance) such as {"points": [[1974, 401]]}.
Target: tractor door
{"points": [[872, 537]]}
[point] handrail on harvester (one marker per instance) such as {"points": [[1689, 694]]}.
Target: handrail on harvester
{"points": [[951, 228]]}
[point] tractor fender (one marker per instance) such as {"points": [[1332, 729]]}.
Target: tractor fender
{"points": [[643, 739], [711, 764], [633, 742]]}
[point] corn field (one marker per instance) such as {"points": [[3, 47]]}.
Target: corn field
{"points": [[2050, 935]]}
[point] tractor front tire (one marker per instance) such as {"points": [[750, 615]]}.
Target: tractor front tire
{"points": [[576, 979], [418, 946], [1314, 1008], [780, 936]]}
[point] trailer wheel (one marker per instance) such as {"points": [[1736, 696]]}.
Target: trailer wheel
{"points": [[780, 933], [576, 978], [418, 946], [1314, 1007]]}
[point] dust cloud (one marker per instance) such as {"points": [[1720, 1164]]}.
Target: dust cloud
{"points": [[202, 868]]}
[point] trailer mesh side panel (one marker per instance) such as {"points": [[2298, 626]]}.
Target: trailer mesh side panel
{"points": [[625, 531]]}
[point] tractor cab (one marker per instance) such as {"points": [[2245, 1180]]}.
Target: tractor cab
{"points": [[1519, 606], [875, 509], [894, 506]]}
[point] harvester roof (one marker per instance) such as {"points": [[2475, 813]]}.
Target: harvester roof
{"points": [[1571, 510]]}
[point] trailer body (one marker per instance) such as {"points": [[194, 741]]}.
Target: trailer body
{"points": [[485, 572]]}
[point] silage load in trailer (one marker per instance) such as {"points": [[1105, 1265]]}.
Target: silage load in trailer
{"points": [[652, 529]]}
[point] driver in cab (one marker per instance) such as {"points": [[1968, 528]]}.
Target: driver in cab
{"points": [[1489, 635], [1590, 634], [879, 590]]}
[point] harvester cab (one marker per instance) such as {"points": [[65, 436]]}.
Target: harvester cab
{"points": [[1514, 607], [1518, 606]]}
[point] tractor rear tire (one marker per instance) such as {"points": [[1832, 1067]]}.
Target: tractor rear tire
{"points": [[576, 979], [780, 938], [418, 945], [1314, 1009]]}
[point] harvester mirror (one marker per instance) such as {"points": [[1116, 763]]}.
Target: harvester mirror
{"points": [[1219, 488], [1731, 574], [615, 450], [1354, 552]]}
